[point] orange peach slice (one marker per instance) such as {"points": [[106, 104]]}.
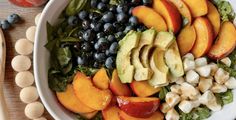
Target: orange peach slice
{"points": [[118, 88], [214, 17], [143, 89], [89, 94], [226, 42], [149, 18], [156, 116], [138, 106], [197, 7], [111, 113], [170, 13], [204, 36], [186, 39], [183, 9], [69, 100], [101, 79], [88, 115]]}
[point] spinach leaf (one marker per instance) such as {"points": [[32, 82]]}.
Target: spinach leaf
{"points": [[230, 70], [163, 92], [56, 81], [70, 39], [199, 113], [50, 30], [226, 97], [232, 57], [225, 9], [87, 71], [75, 6], [64, 56]]}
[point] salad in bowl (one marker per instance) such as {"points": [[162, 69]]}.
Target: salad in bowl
{"points": [[143, 59]]}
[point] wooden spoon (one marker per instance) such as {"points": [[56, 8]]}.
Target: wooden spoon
{"points": [[3, 108]]}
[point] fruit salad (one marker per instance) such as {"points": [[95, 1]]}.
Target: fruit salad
{"points": [[143, 59]]}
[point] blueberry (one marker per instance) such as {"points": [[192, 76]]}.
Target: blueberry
{"points": [[80, 35], [100, 35], [108, 28], [83, 15], [128, 28], [5, 24], [73, 21], [147, 2], [110, 63], [13, 18], [101, 6], [108, 17], [81, 60], [111, 38], [105, 1], [96, 64], [133, 21], [130, 10], [96, 47], [107, 52], [86, 47], [100, 57], [112, 8], [85, 24], [94, 3], [103, 44], [89, 35], [94, 16], [119, 35], [96, 26], [121, 29], [116, 25], [141, 28], [122, 8], [113, 48], [76, 46], [122, 17]]}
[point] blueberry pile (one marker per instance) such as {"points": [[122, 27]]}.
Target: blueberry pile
{"points": [[11, 19], [101, 29]]}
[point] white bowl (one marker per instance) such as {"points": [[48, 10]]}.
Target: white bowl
{"points": [[41, 65]]}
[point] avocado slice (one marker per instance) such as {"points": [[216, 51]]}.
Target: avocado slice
{"points": [[174, 61], [141, 72], [145, 55], [123, 60], [157, 63], [164, 40]]}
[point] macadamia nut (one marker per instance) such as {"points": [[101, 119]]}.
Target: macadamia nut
{"points": [[34, 110], [29, 94], [21, 63], [24, 47], [24, 79]]}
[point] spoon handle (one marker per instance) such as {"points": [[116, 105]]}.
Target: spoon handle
{"points": [[3, 108]]}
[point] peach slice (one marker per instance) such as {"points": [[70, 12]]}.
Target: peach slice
{"points": [[101, 79], [149, 18], [170, 13], [214, 17], [186, 39], [118, 88], [89, 94], [69, 100], [111, 113], [88, 115], [143, 89], [197, 7], [156, 116], [204, 36], [138, 106], [183, 9], [226, 42]]}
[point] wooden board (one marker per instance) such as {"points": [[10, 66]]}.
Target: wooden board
{"points": [[15, 106]]}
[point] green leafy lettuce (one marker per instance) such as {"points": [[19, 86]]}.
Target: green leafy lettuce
{"points": [[224, 98], [75, 6], [199, 113], [225, 9], [230, 69]]}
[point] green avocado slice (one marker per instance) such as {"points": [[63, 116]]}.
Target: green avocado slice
{"points": [[123, 60]]}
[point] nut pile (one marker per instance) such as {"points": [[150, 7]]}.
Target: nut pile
{"points": [[24, 78], [201, 82]]}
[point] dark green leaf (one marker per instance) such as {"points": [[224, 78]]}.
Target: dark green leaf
{"points": [[230, 70], [226, 97], [51, 44], [67, 69], [50, 30], [56, 82], [70, 39], [163, 93], [73, 31], [219, 99], [87, 71], [64, 56], [199, 113], [98, 116], [75, 6]]}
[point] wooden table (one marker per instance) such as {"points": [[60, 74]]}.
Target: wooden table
{"points": [[15, 106]]}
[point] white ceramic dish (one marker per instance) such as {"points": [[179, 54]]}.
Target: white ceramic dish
{"points": [[41, 65]]}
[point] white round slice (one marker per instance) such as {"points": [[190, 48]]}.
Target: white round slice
{"points": [[34, 110], [37, 17], [21, 63], [24, 79], [29, 94], [30, 33], [24, 47]]}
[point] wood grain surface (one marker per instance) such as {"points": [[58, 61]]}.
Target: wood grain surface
{"points": [[15, 106]]}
